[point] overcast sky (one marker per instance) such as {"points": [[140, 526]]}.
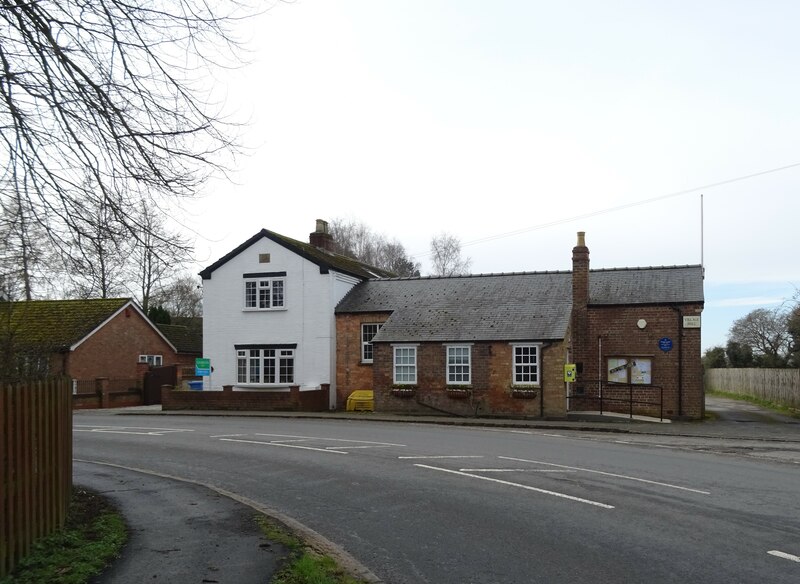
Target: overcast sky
{"points": [[515, 124]]}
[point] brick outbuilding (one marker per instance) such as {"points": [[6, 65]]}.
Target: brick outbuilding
{"points": [[498, 344]]}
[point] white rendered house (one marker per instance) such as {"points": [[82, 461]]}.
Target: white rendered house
{"points": [[268, 311]]}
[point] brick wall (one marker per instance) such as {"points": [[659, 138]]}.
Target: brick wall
{"points": [[489, 394], [612, 331], [351, 373], [113, 351], [227, 399]]}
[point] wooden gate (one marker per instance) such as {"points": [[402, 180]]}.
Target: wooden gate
{"points": [[154, 379]]}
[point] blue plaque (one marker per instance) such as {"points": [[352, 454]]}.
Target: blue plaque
{"points": [[665, 344]]}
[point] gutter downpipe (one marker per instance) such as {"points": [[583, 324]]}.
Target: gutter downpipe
{"points": [[680, 358]]}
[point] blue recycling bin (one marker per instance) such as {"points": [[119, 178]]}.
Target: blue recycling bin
{"points": [[196, 385]]}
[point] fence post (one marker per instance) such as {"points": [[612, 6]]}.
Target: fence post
{"points": [[101, 386]]}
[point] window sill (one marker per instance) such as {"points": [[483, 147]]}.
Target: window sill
{"points": [[282, 309], [264, 386]]}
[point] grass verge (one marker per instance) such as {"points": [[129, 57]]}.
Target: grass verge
{"points": [[304, 565], [784, 409], [93, 534]]}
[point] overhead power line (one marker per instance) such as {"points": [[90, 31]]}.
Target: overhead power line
{"points": [[619, 207]]}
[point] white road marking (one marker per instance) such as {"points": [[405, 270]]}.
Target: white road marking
{"points": [[284, 445], [355, 447], [784, 555], [330, 439], [431, 457], [227, 435], [138, 430], [103, 428], [610, 474], [526, 487], [513, 470]]}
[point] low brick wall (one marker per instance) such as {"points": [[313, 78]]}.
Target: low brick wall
{"points": [[105, 397], [293, 400]]}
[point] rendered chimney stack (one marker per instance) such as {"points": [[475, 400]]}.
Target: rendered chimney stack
{"points": [[321, 238]]}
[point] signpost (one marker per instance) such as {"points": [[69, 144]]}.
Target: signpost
{"points": [[202, 367]]}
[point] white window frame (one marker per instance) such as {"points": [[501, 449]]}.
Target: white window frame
{"points": [[367, 344], [517, 361], [152, 360], [458, 371], [271, 366], [408, 368], [262, 294]]}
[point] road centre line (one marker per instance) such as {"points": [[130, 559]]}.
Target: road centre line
{"points": [[329, 439], [610, 474], [284, 445], [355, 447], [106, 427], [513, 470], [526, 487], [122, 432], [433, 457], [784, 555]]}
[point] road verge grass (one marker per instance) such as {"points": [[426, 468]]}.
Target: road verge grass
{"points": [[304, 565], [93, 534]]}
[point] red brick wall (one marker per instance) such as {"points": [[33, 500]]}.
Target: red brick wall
{"points": [[613, 331], [351, 373], [490, 392], [113, 351], [271, 401]]}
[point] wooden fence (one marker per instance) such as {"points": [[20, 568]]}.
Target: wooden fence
{"points": [[781, 386], [35, 465]]}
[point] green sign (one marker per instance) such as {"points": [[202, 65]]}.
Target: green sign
{"points": [[202, 367]]}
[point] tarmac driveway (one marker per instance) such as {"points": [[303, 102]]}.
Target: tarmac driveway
{"points": [[731, 410]]}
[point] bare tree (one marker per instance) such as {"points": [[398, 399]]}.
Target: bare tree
{"points": [[95, 257], [155, 257], [112, 90], [23, 250], [182, 298], [356, 240], [446, 256], [765, 332]]}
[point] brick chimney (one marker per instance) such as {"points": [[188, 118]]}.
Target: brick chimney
{"points": [[580, 272], [321, 237], [580, 302]]}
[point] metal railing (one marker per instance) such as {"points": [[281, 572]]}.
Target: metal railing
{"points": [[606, 394]]}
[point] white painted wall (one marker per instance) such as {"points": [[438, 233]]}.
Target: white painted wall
{"points": [[308, 319]]}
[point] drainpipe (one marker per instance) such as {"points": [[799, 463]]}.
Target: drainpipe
{"points": [[680, 358]]}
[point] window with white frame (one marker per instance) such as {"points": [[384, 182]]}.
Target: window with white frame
{"points": [[265, 291], [368, 331], [526, 364], [405, 365], [265, 366], [152, 360], [459, 365]]}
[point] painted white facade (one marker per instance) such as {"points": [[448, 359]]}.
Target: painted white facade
{"points": [[306, 320]]}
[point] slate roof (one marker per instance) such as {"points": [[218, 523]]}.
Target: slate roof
{"points": [[656, 285], [185, 339], [324, 259], [56, 324], [509, 307]]}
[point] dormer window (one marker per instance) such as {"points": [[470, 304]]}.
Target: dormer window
{"points": [[265, 291]]}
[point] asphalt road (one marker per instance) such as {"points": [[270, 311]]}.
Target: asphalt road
{"points": [[420, 503]]}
